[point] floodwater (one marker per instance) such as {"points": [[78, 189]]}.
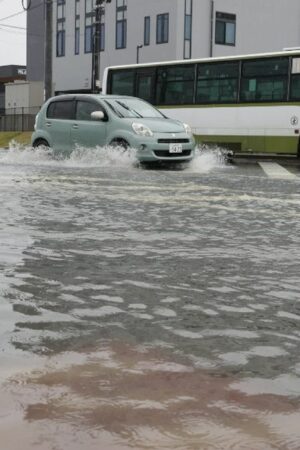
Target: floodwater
{"points": [[147, 309]]}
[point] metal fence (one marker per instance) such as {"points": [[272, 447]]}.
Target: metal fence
{"points": [[18, 119]]}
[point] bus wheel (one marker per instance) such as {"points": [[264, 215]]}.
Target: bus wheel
{"points": [[119, 142]]}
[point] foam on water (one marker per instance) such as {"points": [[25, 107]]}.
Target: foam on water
{"points": [[206, 159]]}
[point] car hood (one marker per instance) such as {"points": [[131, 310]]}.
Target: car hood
{"points": [[161, 125]]}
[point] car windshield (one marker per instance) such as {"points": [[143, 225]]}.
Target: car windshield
{"points": [[132, 107]]}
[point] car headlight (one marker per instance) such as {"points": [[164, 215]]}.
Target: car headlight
{"points": [[187, 128], [141, 129]]}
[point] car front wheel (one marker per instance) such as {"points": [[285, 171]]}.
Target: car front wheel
{"points": [[119, 142], [41, 143]]}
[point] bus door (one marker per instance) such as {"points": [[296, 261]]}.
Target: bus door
{"points": [[145, 82]]}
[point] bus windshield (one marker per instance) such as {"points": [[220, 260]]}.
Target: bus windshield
{"points": [[132, 107]]}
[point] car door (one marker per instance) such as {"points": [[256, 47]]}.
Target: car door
{"points": [[60, 116], [85, 131]]}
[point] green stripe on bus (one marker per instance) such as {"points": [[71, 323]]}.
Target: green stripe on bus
{"points": [[286, 145]]}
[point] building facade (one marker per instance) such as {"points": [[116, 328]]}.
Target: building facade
{"points": [[35, 44], [155, 30]]}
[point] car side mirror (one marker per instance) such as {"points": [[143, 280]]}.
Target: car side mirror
{"points": [[97, 115]]}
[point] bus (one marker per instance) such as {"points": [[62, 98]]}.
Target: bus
{"points": [[248, 104]]}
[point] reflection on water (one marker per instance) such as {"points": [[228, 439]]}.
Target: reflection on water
{"points": [[138, 394], [147, 309]]}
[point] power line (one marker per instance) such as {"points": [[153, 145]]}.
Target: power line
{"points": [[16, 32], [20, 12], [12, 26], [12, 15]]}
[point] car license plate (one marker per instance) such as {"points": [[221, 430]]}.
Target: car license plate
{"points": [[175, 148]]}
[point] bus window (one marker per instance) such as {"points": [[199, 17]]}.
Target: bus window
{"points": [[217, 83], [144, 85], [295, 80], [264, 80], [122, 82], [175, 85]]}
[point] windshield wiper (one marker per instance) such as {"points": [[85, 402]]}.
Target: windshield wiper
{"points": [[114, 109], [128, 109]]}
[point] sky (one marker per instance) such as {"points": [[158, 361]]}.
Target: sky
{"points": [[12, 40]]}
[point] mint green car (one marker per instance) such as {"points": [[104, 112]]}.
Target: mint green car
{"points": [[90, 120]]}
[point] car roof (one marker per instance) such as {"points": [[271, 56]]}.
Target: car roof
{"points": [[87, 96]]}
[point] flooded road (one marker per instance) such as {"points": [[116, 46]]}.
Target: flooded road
{"points": [[147, 309]]}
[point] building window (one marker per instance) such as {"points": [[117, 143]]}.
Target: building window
{"points": [[77, 27], [147, 30], [121, 24], [60, 28], [225, 28], [77, 40], [188, 10], [121, 34], [88, 36], [162, 28], [89, 26]]}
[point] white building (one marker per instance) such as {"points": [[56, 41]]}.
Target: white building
{"points": [[157, 30]]}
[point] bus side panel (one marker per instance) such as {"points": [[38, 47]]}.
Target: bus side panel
{"points": [[252, 144], [244, 128]]}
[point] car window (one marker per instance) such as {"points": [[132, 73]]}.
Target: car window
{"points": [[63, 109], [85, 108], [133, 107]]}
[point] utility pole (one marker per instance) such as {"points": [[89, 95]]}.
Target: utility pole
{"points": [[96, 47], [48, 49]]}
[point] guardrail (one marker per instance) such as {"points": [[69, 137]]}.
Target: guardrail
{"points": [[18, 119]]}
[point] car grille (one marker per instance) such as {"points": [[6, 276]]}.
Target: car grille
{"points": [[173, 141], [167, 154]]}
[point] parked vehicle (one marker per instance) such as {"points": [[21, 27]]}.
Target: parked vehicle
{"points": [[90, 120]]}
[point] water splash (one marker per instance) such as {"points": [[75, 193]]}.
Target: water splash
{"points": [[102, 157], [207, 159], [23, 155], [108, 156]]}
